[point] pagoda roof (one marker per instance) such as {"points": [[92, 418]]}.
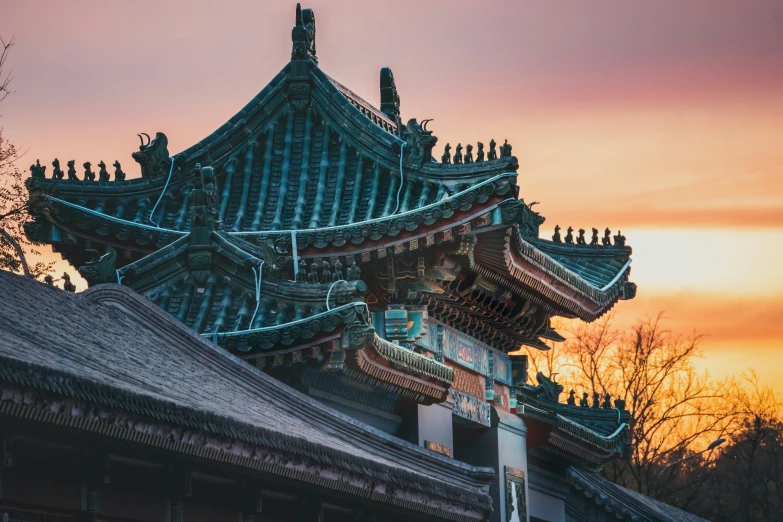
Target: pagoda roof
{"points": [[330, 171], [111, 350], [217, 295], [253, 301], [310, 162], [586, 436]]}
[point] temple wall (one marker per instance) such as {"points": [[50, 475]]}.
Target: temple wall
{"points": [[546, 507], [435, 425], [385, 421], [512, 453], [548, 493]]}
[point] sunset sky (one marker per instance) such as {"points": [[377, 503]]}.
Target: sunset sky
{"points": [[662, 118]]}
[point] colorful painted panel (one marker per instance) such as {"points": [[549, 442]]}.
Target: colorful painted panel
{"points": [[465, 351], [466, 381], [502, 397], [502, 368], [469, 407], [470, 353]]}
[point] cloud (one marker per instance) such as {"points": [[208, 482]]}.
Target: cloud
{"points": [[738, 321], [645, 216]]}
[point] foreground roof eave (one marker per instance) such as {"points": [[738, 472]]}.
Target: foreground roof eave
{"points": [[41, 378], [630, 505], [172, 333]]}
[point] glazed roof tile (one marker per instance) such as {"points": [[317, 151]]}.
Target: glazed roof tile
{"points": [[564, 279], [596, 264], [223, 300], [332, 165]]}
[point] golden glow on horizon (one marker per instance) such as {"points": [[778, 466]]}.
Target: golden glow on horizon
{"points": [[721, 262]]}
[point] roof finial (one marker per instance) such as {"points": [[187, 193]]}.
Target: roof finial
{"points": [[303, 34], [390, 100]]}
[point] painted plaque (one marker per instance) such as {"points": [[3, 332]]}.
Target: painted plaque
{"points": [[437, 447]]}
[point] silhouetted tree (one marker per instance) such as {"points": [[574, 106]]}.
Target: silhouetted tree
{"points": [[676, 413], [15, 205]]}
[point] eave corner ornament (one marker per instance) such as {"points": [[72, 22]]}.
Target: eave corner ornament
{"points": [[153, 156], [418, 142]]}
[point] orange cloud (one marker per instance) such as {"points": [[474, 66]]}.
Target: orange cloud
{"points": [[740, 321]]}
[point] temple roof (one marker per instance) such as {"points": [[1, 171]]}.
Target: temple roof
{"points": [[311, 164], [215, 294], [327, 166], [623, 503], [110, 347], [580, 435]]}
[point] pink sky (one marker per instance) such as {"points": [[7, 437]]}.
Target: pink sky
{"points": [[662, 118]]}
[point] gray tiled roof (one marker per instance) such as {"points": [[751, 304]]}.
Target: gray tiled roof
{"points": [[629, 504], [135, 350]]}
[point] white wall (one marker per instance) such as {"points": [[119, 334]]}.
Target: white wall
{"points": [[512, 451], [435, 424]]}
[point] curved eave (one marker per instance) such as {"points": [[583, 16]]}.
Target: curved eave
{"points": [[523, 266], [84, 221], [383, 364], [577, 451], [439, 212], [597, 264], [554, 434], [292, 334], [130, 189], [588, 436]]}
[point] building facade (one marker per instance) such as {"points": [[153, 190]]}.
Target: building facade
{"points": [[324, 242]]}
